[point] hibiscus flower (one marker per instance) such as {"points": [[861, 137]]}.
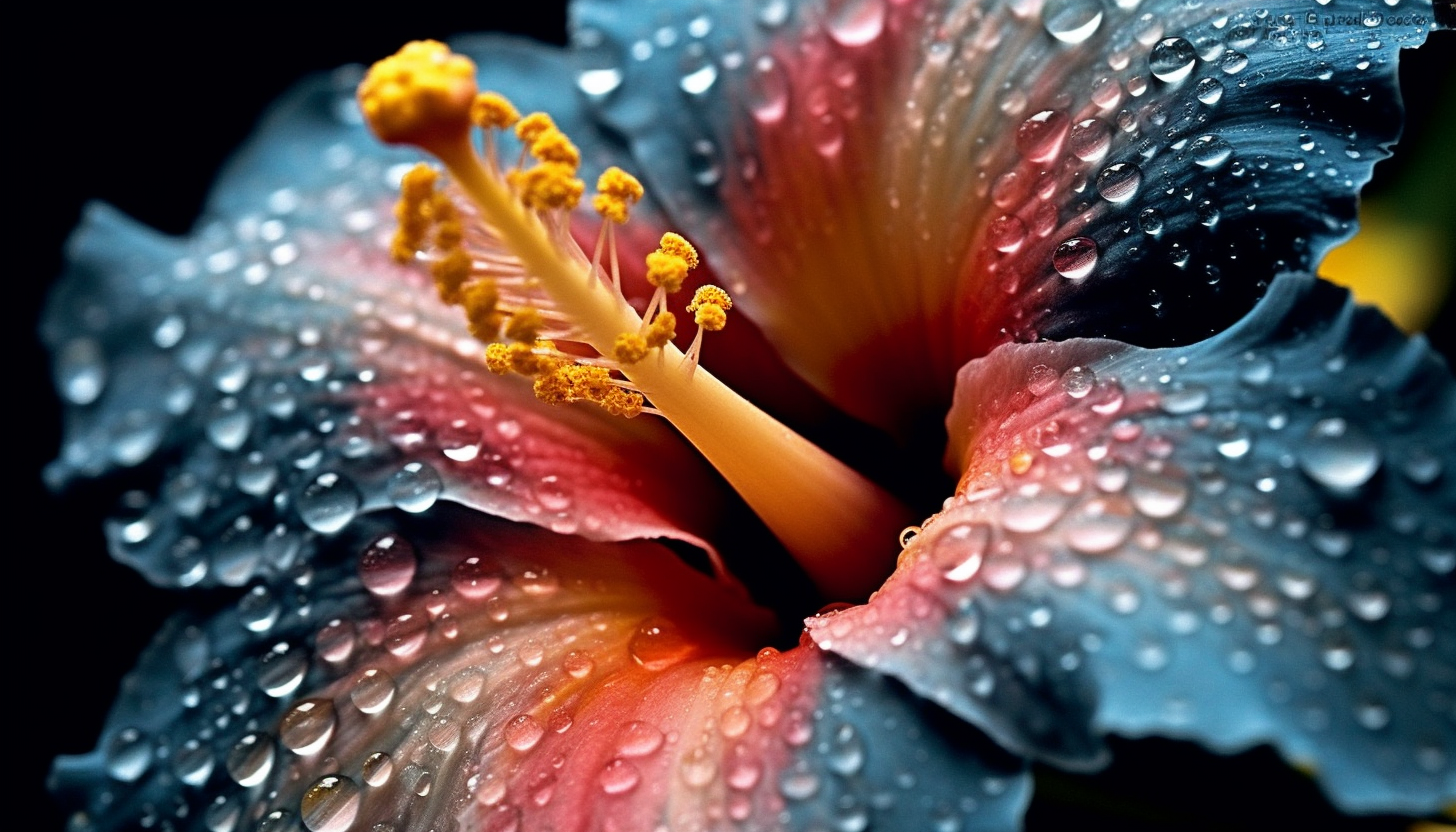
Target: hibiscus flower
{"points": [[459, 603]]}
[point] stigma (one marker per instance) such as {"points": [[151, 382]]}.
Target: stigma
{"points": [[497, 242]]}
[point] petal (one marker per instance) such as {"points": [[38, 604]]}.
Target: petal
{"points": [[521, 680], [891, 186], [289, 376], [1247, 540]]}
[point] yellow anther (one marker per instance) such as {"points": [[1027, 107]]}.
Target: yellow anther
{"points": [[421, 95], [710, 294], [674, 244], [629, 348], [498, 358], [532, 126], [666, 270], [710, 316], [525, 325], [553, 387], [662, 330], [479, 299], [450, 273], [617, 192], [553, 146], [624, 403], [548, 185], [591, 384], [449, 234], [418, 183], [493, 110]]}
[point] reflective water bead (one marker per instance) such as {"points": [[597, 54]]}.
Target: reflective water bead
{"points": [[415, 487], [388, 565], [1071, 21], [307, 727], [1075, 258], [330, 804], [1172, 59], [328, 503]]}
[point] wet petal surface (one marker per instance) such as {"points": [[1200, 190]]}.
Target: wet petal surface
{"points": [[291, 377], [1241, 541], [894, 188], [518, 679]]}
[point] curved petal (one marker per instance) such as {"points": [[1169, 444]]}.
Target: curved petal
{"points": [[1247, 540], [290, 376], [518, 679], [896, 187]]}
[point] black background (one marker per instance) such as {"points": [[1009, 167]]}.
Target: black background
{"points": [[140, 112]]}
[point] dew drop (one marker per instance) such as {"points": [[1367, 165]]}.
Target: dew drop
{"points": [[1157, 496], [1040, 137], [328, 503], [619, 777], [1338, 455], [307, 727], [1007, 233], [406, 634], [281, 671], [1075, 258], [80, 371], [415, 487], [1117, 183], [388, 565], [578, 665], [1171, 60], [373, 691], [1210, 151], [1071, 21], [1078, 382], [600, 82], [959, 551], [251, 759], [377, 768], [523, 732], [331, 804], [658, 644], [1209, 91], [1090, 139], [768, 91], [855, 22], [1098, 526], [639, 739], [473, 578]]}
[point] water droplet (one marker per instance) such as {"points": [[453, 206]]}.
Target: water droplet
{"points": [[1182, 400], [307, 727], [377, 768], [1338, 455], [1090, 139], [798, 782], [415, 487], [1209, 91], [329, 503], [1210, 151], [1040, 137], [1071, 21], [1157, 496], [959, 551], [697, 768], [406, 634], [1370, 605], [699, 78], [1006, 233], [1077, 382], [619, 777], [1235, 445], [251, 759], [474, 578], [846, 752], [1117, 183], [80, 371], [768, 91], [600, 82], [523, 732], [1099, 525], [388, 565], [330, 804], [1075, 258], [855, 22], [1029, 513], [1172, 59], [639, 739], [658, 644], [373, 691]]}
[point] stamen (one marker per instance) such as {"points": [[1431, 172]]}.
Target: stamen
{"points": [[823, 511]]}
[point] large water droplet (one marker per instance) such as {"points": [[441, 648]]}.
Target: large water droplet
{"points": [[307, 727], [1117, 183], [1006, 233], [373, 691], [80, 372], [251, 759], [619, 777], [1210, 151], [377, 768], [128, 755], [1338, 455], [329, 503], [1090, 139], [658, 644], [959, 551], [1209, 91], [1040, 137], [1075, 258], [1098, 526], [388, 565], [415, 487], [330, 804], [1157, 496], [1071, 21], [523, 732], [1172, 59], [855, 22], [639, 739], [281, 671]]}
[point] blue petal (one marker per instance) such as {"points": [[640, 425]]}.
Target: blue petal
{"points": [[1247, 540]]}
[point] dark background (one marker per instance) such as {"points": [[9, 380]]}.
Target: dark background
{"points": [[140, 113]]}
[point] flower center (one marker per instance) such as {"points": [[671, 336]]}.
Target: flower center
{"points": [[499, 246]]}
